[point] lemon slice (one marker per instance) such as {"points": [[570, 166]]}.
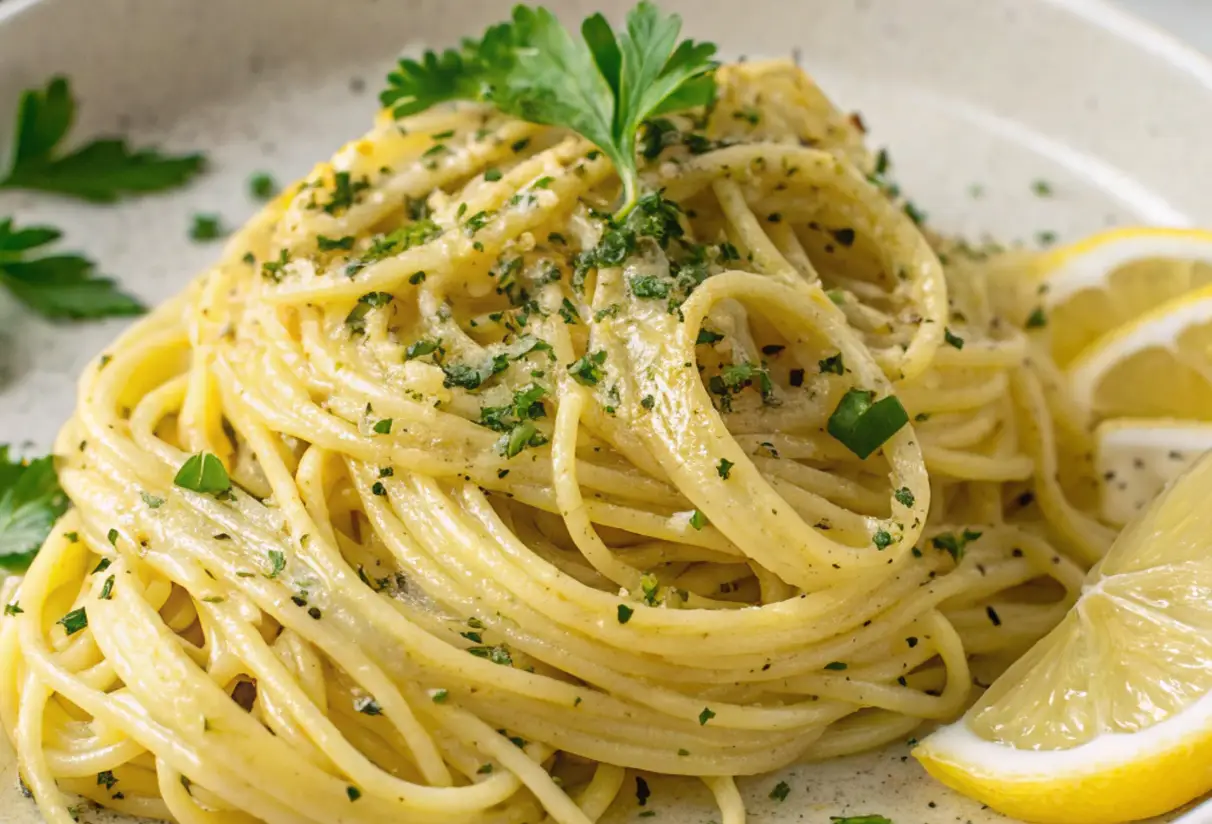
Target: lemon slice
{"points": [[1085, 290], [1109, 717], [1136, 458], [1157, 366]]}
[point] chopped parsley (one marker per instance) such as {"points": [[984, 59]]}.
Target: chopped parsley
{"points": [[706, 715], [724, 468], [587, 370], [904, 496], [625, 613], [262, 186], [832, 364], [780, 792], [206, 227], [863, 424], [1037, 319], [420, 348], [346, 192], [952, 339], [497, 655], [954, 544], [698, 520], [203, 473], [74, 621], [328, 244], [649, 287]]}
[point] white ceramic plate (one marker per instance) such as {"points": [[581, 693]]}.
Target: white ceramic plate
{"points": [[996, 93]]}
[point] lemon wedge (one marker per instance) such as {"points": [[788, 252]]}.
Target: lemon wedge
{"points": [[1156, 366], [1109, 717], [1136, 458], [1085, 290]]}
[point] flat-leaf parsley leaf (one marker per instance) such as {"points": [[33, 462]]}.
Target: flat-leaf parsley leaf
{"points": [[57, 287], [602, 85], [30, 503], [101, 171]]}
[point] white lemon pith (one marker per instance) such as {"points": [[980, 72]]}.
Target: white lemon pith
{"points": [[1108, 718], [1136, 457]]}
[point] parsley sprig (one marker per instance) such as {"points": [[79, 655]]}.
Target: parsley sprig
{"points": [[101, 171], [56, 286], [602, 86], [30, 503]]}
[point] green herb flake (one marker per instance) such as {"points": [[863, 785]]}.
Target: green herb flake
{"points": [[262, 186], [107, 589], [1037, 319], [724, 468], [383, 427], [952, 339], [624, 613], [649, 287], [780, 792], [353, 793], [836, 666], [203, 473], [328, 244], [904, 496], [954, 544], [74, 621], [206, 227], [420, 348], [705, 716], [587, 370], [698, 520], [863, 424], [832, 365], [277, 563], [439, 696], [1041, 188], [151, 501]]}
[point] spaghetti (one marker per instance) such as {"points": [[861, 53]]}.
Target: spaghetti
{"points": [[525, 500]]}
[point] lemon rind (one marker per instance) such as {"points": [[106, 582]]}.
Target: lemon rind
{"points": [[1159, 328], [1084, 265]]}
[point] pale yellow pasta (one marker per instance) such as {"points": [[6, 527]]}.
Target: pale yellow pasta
{"points": [[508, 528]]}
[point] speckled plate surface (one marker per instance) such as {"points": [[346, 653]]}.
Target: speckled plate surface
{"points": [[972, 97]]}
